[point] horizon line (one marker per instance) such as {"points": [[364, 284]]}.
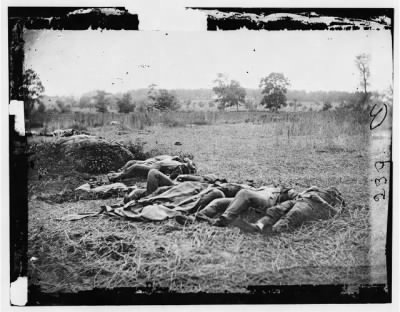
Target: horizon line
{"points": [[199, 88]]}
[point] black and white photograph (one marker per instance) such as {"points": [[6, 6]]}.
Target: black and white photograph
{"points": [[203, 154]]}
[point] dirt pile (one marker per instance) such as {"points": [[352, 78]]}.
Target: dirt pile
{"points": [[94, 155], [57, 167]]}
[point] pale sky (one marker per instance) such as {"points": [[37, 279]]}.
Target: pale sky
{"points": [[74, 62]]}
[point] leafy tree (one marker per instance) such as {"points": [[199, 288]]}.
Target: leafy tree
{"points": [[70, 101], [64, 108], [125, 104], [84, 101], [274, 89], [101, 103], [165, 101], [228, 93], [141, 105], [362, 64], [161, 99], [327, 105], [31, 90], [152, 96]]}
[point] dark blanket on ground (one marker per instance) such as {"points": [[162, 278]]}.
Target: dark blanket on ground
{"points": [[164, 203]]}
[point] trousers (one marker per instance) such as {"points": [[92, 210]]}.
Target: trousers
{"points": [[155, 180], [293, 213], [231, 208]]}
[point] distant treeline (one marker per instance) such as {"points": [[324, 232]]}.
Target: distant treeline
{"points": [[299, 95], [196, 99], [319, 96]]}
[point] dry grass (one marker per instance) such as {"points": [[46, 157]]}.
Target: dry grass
{"points": [[106, 252], [141, 120]]}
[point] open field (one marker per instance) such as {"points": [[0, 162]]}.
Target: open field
{"points": [[140, 120], [104, 252]]}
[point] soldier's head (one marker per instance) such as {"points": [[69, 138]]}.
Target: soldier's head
{"points": [[335, 194], [186, 167], [189, 167]]}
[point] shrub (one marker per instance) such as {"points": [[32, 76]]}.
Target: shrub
{"points": [[327, 106], [137, 149]]}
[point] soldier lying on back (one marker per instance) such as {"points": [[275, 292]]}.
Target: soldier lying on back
{"points": [[311, 205], [284, 210], [171, 165]]}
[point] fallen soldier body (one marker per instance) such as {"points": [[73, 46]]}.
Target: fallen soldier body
{"points": [[291, 211], [165, 198], [207, 196], [311, 205], [67, 132], [190, 193], [161, 187], [230, 208], [172, 165]]}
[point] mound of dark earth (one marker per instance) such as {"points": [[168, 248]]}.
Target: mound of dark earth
{"points": [[57, 167], [94, 155]]}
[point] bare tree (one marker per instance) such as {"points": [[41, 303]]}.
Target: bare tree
{"points": [[362, 64]]}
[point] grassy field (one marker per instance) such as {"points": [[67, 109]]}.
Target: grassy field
{"points": [[104, 252]]}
